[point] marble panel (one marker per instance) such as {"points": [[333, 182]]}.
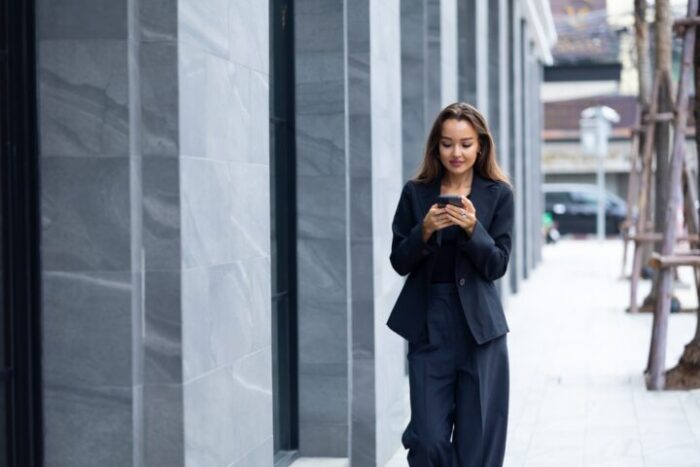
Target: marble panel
{"points": [[323, 332], [161, 213], [248, 34], [159, 98], [322, 264], [220, 225], [87, 426], [226, 314], [324, 439], [252, 378], [164, 442], [320, 152], [83, 106], [261, 456], [216, 108], [210, 408], [81, 19], [162, 338], [85, 214], [204, 24], [87, 329], [364, 416], [323, 396], [158, 20], [321, 207]]}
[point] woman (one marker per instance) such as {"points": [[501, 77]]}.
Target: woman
{"points": [[449, 309]]}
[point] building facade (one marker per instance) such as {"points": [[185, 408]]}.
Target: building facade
{"points": [[218, 180]]}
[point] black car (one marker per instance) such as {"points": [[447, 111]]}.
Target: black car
{"points": [[574, 208]]}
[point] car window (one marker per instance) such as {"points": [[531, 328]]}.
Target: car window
{"points": [[584, 197], [554, 197]]}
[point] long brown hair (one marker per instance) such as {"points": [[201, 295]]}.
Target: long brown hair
{"points": [[486, 164]]}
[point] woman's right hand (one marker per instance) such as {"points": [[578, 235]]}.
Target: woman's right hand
{"points": [[436, 219]]}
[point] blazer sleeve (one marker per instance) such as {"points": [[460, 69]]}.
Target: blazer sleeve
{"points": [[489, 250], [407, 246]]}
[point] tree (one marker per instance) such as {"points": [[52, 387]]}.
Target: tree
{"points": [[686, 374]]}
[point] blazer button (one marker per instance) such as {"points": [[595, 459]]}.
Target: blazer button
{"points": [[461, 281]]}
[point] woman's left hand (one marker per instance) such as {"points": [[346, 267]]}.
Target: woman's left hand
{"points": [[464, 217]]}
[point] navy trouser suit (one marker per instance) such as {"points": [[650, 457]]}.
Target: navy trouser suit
{"points": [[458, 357]]}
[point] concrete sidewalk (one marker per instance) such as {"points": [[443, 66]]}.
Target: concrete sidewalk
{"points": [[577, 391]]}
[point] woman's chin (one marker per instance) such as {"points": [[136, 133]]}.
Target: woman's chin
{"points": [[458, 170]]}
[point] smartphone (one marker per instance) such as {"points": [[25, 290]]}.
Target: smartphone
{"points": [[455, 200]]}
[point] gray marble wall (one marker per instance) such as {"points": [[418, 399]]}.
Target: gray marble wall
{"points": [[223, 68], [156, 263], [539, 176], [433, 57], [154, 124], [352, 384], [414, 32], [389, 380], [91, 358], [448, 52], [154, 131], [421, 80], [359, 152], [323, 232], [504, 141], [535, 173], [528, 129], [517, 163], [482, 51], [467, 56]]}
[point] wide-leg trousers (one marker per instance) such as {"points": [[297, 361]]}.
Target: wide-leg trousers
{"points": [[459, 391]]}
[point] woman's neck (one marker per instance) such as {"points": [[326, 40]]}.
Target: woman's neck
{"points": [[458, 182]]}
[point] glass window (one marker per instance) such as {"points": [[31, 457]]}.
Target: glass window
{"points": [[585, 197], [555, 197], [283, 232]]}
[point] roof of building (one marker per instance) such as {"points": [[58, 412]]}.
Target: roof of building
{"points": [[561, 118]]}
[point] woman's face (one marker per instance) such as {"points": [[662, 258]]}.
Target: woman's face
{"points": [[459, 145]]}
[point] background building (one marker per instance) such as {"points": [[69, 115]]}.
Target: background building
{"points": [[218, 180], [594, 63]]}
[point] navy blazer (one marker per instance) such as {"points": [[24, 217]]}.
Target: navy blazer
{"points": [[482, 258]]}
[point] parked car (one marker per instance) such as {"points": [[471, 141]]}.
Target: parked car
{"points": [[574, 208]]}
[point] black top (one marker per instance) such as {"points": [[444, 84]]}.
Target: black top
{"points": [[444, 269]]}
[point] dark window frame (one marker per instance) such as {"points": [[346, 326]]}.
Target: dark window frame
{"points": [[21, 278], [284, 239]]}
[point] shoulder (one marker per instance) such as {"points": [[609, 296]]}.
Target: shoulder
{"points": [[413, 186], [505, 201], [504, 189]]}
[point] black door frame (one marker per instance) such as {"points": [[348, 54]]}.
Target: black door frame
{"points": [[21, 279]]}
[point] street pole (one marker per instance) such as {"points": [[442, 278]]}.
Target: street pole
{"points": [[595, 126], [600, 178]]}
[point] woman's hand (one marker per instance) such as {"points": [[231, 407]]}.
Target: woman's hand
{"points": [[464, 217], [435, 219]]}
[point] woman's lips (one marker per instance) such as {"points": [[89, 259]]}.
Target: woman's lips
{"points": [[456, 163]]}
